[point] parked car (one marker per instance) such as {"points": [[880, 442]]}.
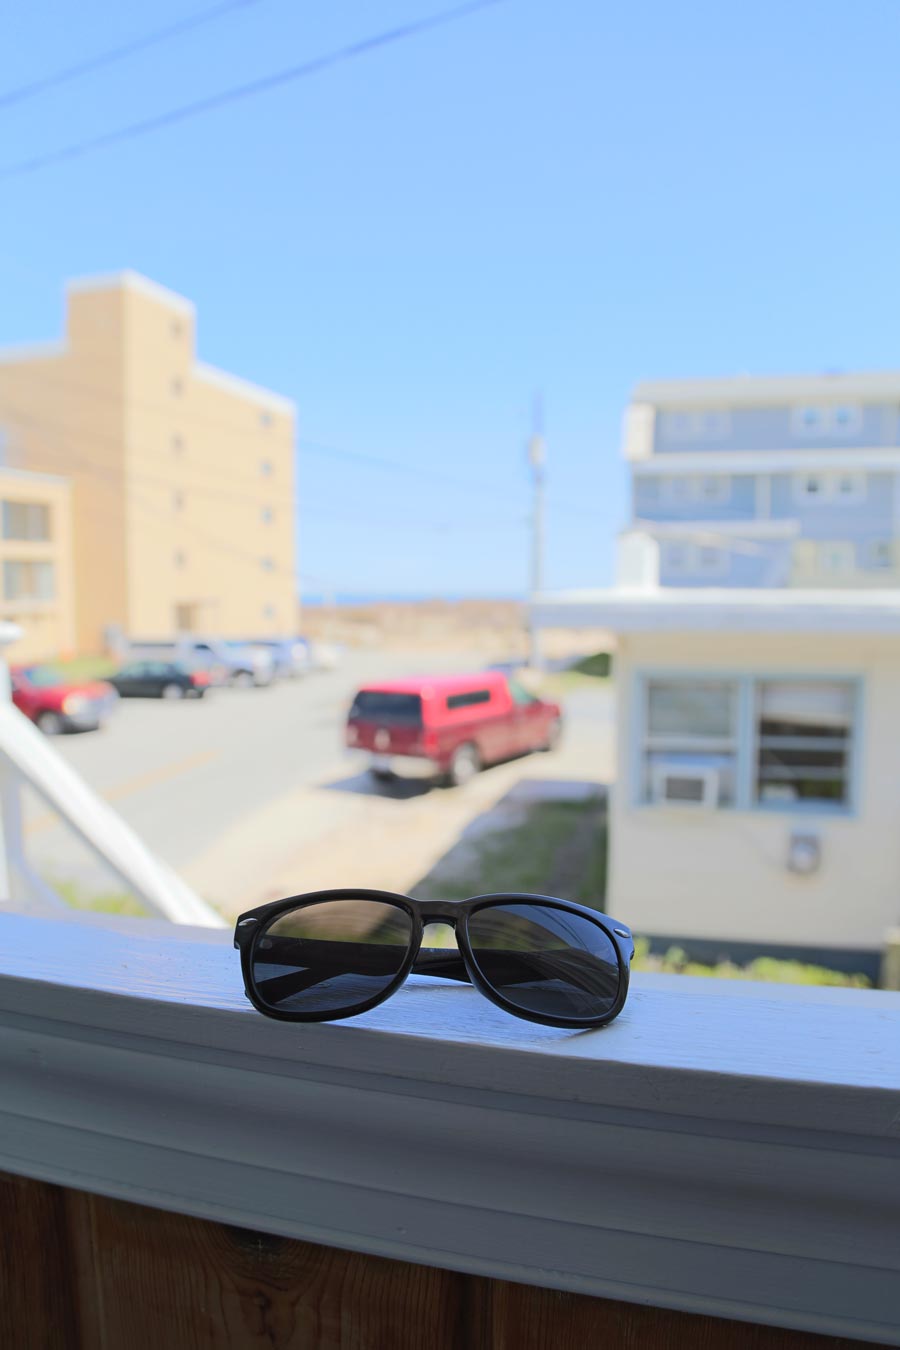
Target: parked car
{"points": [[56, 704], [160, 679], [228, 662], [290, 656], [450, 725]]}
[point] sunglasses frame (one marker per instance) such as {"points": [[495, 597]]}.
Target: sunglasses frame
{"points": [[252, 924]]}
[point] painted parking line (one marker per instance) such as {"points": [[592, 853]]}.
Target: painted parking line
{"points": [[164, 773]]}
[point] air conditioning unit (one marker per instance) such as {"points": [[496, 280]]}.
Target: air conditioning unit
{"points": [[685, 785]]}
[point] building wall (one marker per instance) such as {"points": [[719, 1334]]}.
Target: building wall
{"points": [[166, 462], [48, 625], [721, 874]]}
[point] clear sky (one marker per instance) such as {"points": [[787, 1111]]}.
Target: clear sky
{"points": [[564, 195]]}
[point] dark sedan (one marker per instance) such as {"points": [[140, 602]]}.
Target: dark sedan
{"points": [[160, 679]]}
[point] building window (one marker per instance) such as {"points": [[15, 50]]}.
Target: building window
{"points": [[178, 444], [268, 515], [268, 611], [178, 386], [686, 559], [266, 468], [844, 488], [26, 520], [178, 499], [879, 553], [177, 328], [835, 419], [268, 564], [747, 742], [836, 559], [266, 418], [28, 580], [690, 743], [804, 734], [681, 489], [180, 558], [709, 425]]}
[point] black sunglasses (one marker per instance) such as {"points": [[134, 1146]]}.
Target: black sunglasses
{"points": [[333, 954]]}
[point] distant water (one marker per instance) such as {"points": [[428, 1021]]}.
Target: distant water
{"points": [[394, 598]]}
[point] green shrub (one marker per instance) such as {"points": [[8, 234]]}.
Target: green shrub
{"points": [[766, 968]]}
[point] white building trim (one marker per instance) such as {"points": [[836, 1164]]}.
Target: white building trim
{"points": [[873, 459], [723, 1148], [235, 384], [133, 281], [766, 390], [670, 609], [752, 528]]}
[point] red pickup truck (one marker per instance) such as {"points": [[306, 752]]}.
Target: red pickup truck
{"points": [[56, 704], [450, 725]]}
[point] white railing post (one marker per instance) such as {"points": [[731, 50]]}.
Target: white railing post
{"points": [[25, 757]]}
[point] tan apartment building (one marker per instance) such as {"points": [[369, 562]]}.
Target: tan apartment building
{"points": [[182, 476], [36, 564]]}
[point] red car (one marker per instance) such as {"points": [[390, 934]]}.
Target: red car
{"points": [[450, 725], [57, 704]]}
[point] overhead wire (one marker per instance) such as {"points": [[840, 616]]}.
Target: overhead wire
{"points": [[421, 471], [250, 89], [112, 55]]}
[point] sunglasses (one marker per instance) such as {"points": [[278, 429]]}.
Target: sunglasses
{"points": [[333, 954]]}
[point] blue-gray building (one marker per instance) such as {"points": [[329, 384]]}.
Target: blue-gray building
{"points": [[764, 481]]}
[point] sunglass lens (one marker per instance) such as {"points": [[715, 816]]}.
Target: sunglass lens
{"points": [[545, 960], [330, 956]]}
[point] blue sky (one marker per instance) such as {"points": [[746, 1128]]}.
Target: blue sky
{"points": [[564, 196]]}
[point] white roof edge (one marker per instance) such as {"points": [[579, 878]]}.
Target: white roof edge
{"points": [[236, 384], [756, 389], [133, 281], [30, 351], [683, 609]]}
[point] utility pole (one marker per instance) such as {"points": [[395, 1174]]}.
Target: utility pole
{"points": [[537, 454]]}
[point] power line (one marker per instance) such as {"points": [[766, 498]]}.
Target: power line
{"points": [[236, 93], [420, 471], [115, 54]]}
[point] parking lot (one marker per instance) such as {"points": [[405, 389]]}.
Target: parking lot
{"points": [[250, 794]]}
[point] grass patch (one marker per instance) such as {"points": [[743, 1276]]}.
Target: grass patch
{"points": [[586, 673], [767, 968], [98, 902], [529, 856]]}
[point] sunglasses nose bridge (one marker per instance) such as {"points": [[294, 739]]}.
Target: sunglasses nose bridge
{"points": [[438, 911]]}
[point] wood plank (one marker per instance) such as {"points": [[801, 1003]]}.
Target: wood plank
{"points": [[82, 1272]]}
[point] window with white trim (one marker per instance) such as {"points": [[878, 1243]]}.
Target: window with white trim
{"points": [[711, 424], [846, 488], [747, 741], [687, 559], [879, 553], [804, 734], [681, 489], [836, 559], [690, 735], [831, 419]]}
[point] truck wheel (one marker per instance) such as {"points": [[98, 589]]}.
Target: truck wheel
{"points": [[464, 765]]}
